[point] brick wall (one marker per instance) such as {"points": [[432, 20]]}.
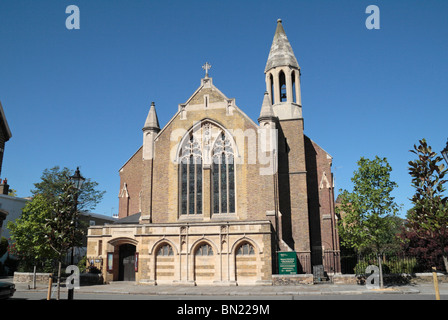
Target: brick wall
{"points": [[131, 174]]}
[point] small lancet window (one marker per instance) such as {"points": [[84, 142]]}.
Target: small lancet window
{"points": [[293, 81], [190, 175], [223, 176], [282, 82]]}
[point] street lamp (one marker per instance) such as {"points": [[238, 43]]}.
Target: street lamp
{"points": [[77, 179], [445, 152]]}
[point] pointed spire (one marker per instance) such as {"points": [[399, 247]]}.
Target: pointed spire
{"points": [[151, 120], [267, 112], [281, 53]]}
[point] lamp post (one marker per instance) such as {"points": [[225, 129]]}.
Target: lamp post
{"points": [[445, 152], [77, 179]]}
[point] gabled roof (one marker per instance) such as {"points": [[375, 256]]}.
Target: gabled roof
{"points": [[281, 53], [206, 83], [132, 219]]}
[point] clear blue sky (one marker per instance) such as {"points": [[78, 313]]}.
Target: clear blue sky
{"points": [[80, 97]]}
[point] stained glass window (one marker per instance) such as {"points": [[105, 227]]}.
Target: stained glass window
{"points": [[191, 178], [223, 176]]}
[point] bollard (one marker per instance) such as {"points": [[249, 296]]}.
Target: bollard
{"points": [[436, 283], [50, 284]]}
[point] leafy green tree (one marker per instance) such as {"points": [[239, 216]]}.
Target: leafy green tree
{"points": [[429, 217], [32, 232], [52, 183], [28, 233], [367, 213], [61, 226]]}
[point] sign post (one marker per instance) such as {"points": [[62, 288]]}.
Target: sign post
{"points": [[287, 262]]}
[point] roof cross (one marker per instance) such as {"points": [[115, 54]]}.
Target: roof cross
{"points": [[206, 67]]}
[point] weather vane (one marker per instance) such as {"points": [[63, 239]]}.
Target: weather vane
{"points": [[206, 67]]}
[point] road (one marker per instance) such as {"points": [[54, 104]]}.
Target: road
{"points": [[40, 295]]}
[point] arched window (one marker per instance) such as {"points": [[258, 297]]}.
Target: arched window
{"points": [[204, 250], [282, 83], [245, 250], [191, 177], [166, 250], [293, 81], [223, 173], [271, 81]]}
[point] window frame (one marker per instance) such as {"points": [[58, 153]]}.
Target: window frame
{"points": [[204, 247], [223, 158], [191, 176], [161, 252]]}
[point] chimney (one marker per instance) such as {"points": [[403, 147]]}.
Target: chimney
{"points": [[4, 186]]}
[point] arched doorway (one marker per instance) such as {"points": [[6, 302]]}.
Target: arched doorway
{"points": [[245, 263], [126, 262]]}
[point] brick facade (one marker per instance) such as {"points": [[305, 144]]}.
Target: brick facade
{"points": [[276, 194]]}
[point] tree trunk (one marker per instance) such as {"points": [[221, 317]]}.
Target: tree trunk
{"points": [[381, 271], [34, 277], [59, 280], [445, 261]]}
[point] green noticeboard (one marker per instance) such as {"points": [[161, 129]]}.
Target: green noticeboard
{"points": [[287, 262]]}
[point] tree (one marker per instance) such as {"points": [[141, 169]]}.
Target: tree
{"points": [[53, 180], [425, 250], [367, 213], [61, 226], [429, 217], [28, 232]]}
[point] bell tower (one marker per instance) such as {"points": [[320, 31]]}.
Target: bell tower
{"points": [[283, 77], [283, 88]]}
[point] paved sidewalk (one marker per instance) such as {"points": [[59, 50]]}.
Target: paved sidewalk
{"points": [[318, 289]]}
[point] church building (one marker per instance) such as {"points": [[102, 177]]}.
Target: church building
{"points": [[214, 197]]}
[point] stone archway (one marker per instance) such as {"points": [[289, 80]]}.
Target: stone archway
{"points": [[124, 251], [246, 266], [164, 263], [204, 263], [126, 262]]}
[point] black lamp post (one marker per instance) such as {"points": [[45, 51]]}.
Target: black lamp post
{"points": [[77, 179], [445, 153]]}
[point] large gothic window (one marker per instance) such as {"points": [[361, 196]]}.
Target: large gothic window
{"points": [[191, 178], [223, 176]]}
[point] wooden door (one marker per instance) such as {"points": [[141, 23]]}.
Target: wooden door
{"points": [[127, 263]]}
